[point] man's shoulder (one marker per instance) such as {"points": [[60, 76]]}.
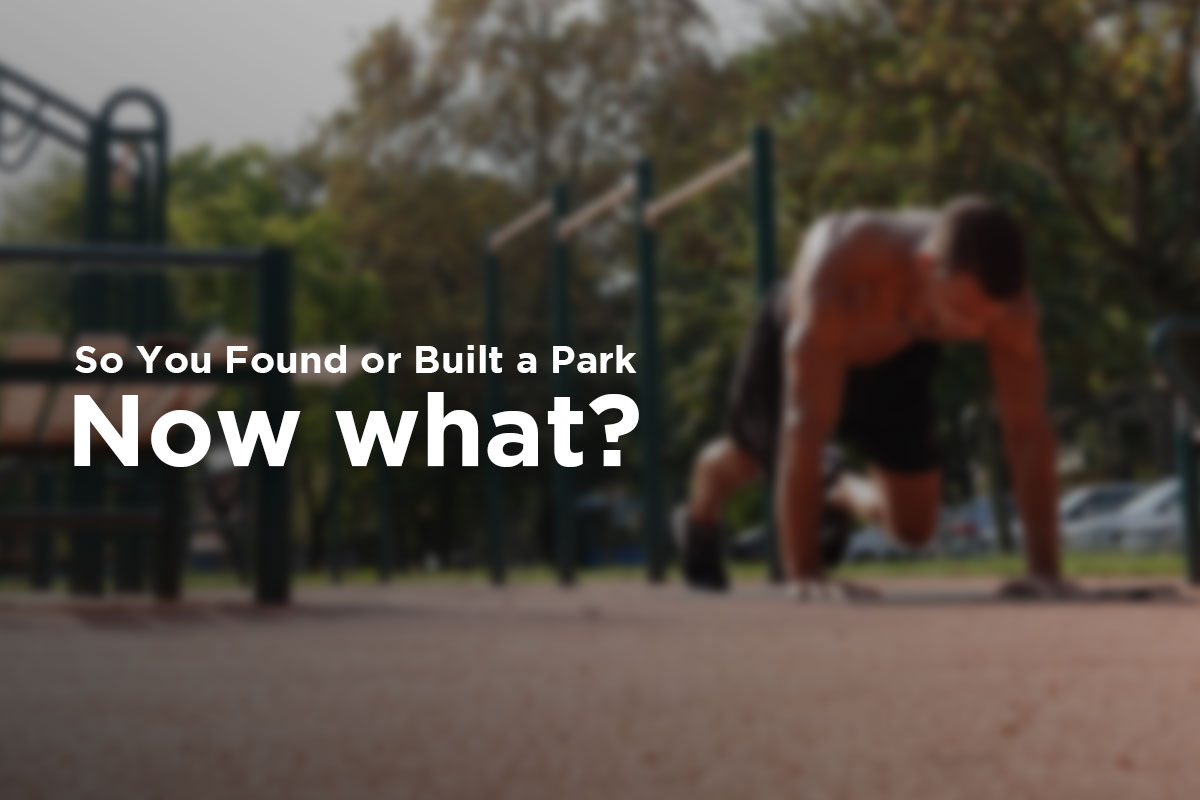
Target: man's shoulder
{"points": [[847, 248], [860, 221]]}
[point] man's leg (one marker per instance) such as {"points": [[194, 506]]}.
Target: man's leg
{"points": [[720, 469], [904, 504]]}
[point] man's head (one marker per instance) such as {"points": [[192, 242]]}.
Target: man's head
{"points": [[975, 262]]}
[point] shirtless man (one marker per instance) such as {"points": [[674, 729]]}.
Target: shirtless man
{"points": [[847, 346]]}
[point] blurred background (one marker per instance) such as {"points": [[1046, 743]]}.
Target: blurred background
{"points": [[381, 143]]}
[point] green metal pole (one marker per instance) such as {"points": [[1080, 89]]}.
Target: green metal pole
{"points": [[383, 473], [653, 519], [128, 543], [97, 193], [333, 548], [273, 544], [170, 544], [560, 315], [41, 575], [86, 565], [765, 251], [1185, 465], [496, 545]]}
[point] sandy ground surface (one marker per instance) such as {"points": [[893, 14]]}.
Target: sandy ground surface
{"points": [[607, 691]]}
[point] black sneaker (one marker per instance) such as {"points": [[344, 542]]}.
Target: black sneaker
{"points": [[701, 553], [836, 529]]}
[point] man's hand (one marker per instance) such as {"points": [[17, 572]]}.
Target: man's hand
{"points": [[1033, 587], [824, 590]]}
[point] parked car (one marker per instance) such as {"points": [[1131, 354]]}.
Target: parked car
{"points": [[866, 544], [1088, 514], [1098, 498], [749, 544], [872, 544], [1154, 519]]}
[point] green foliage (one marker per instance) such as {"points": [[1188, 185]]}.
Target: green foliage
{"points": [[1081, 115]]}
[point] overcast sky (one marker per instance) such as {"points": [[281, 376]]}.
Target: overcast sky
{"points": [[228, 70]]}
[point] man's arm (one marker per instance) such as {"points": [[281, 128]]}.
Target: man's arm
{"points": [[1019, 382], [813, 372]]}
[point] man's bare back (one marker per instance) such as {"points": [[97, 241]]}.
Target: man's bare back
{"points": [[861, 268]]}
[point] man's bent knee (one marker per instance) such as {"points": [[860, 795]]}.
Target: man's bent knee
{"points": [[911, 506], [726, 460]]}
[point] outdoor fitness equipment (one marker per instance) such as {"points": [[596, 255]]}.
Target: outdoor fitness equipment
{"points": [[51, 377], [126, 183], [649, 213]]}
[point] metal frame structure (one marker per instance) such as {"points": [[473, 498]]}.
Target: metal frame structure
{"points": [[272, 562], [496, 544], [100, 139], [137, 156], [649, 213]]}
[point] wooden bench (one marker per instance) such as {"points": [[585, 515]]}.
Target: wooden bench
{"points": [[37, 425]]}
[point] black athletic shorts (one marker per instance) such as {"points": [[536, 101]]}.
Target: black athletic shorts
{"points": [[887, 408]]}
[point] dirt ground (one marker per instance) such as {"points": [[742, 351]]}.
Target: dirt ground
{"points": [[614, 690]]}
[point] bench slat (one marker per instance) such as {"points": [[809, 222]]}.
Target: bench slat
{"points": [[22, 404]]}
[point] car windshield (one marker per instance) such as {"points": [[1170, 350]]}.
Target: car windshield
{"points": [[1071, 500], [1086, 501], [1111, 498], [1150, 499]]}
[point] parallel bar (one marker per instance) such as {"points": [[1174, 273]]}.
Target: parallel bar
{"points": [[654, 525], [383, 477], [273, 551], [519, 225], [700, 183], [765, 257], [54, 255], [496, 544], [597, 208], [333, 514], [560, 335]]}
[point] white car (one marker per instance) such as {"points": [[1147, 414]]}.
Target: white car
{"points": [[1154, 519], [1087, 514], [872, 544]]}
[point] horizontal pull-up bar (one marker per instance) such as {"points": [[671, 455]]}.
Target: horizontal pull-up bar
{"points": [[618, 194], [698, 184], [519, 225]]}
